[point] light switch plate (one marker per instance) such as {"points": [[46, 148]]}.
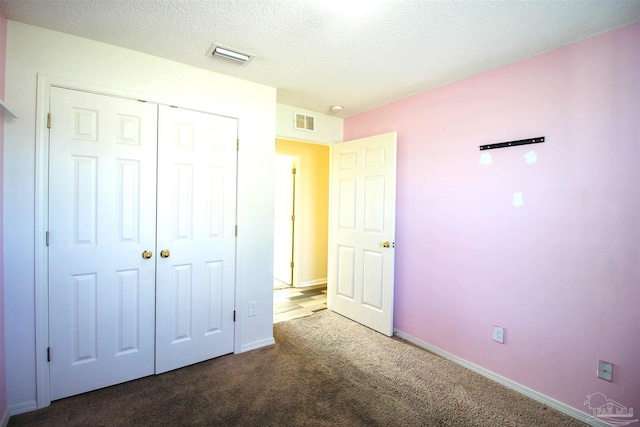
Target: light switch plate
{"points": [[605, 370]]}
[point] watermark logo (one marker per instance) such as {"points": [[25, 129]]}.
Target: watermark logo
{"points": [[609, 411]]}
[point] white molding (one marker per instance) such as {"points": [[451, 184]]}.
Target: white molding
{"points": [[257, 344], [43, 93], [312, 283], [22, 408], [5, 418], [288, 138], [566, 409]]}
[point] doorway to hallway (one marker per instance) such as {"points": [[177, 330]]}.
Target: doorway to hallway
{"points": [[301, 218]]}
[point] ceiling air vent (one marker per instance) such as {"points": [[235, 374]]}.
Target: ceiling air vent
{"points": [[304, 122]]}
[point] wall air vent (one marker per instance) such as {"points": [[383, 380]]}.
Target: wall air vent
{"points": [[304, 122]]}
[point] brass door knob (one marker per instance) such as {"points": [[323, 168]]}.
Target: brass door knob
{"points": [[147, 254], [386, 245], [165, 253]]}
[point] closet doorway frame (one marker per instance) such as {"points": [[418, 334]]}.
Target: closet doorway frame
{"points": [[41, 209]]}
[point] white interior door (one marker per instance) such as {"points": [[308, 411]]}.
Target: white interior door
{"points": [[196, 226], [102, 198], [283, 218], [362, 231]]}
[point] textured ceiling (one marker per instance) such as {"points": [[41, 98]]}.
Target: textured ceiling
{"points": [[323, 52]]}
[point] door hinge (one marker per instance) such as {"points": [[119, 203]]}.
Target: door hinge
{"points": [[236, 231], [47, 237], [237, 145], [293, 171], [291, 264], [48, 354], [234, 315], [293, 218], [48, 120]]}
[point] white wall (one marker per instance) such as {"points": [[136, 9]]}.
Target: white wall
{"points": [[32, 50], [328, 128]]}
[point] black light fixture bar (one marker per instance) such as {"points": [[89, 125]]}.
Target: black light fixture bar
{"points": [[513, 143]]}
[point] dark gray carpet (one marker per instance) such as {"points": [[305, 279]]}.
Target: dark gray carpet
{"points": [[323, 371]]}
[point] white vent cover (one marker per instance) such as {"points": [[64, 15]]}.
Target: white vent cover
{"points": [[304, 122]]}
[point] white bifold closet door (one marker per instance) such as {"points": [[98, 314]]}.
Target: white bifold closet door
{"points": [[119, 195], [196, 225], [102, 209]]}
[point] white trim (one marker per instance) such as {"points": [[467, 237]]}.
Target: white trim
{"points": [[288, 138], [22, 408], [566, 409], [5, 418], [295, 276], [43, 97], [43, 93], [313, 283], [257, 344]]}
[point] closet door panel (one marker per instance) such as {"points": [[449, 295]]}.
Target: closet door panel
{"points": [[102, 202], [196, 231]]}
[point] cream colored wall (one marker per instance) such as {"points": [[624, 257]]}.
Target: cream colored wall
{"points": [[312, 215]]}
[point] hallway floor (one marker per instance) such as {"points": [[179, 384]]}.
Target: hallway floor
{"points": [[290, 303]]}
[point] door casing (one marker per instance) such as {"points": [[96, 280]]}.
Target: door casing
{"points": [[283, 222], [41, 207]]}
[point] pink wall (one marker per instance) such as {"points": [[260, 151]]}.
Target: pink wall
{"points": [[561, 273], [3, 372]]}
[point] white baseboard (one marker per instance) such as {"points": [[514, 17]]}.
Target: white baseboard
{"points": [[257, 344], [566, 409], [313, 283], [5, 418], [23, 407]]}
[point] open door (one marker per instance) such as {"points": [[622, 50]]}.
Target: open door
{"points": [[362, 231], [284, 217]]}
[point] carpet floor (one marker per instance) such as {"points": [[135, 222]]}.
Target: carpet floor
{"points": [[324, 370]]}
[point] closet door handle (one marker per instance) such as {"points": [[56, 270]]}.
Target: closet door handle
{"points": [[147, 254], [165, 253]]}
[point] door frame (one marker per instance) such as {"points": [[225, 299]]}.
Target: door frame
{"points": [[294, 227], [41, 210]]}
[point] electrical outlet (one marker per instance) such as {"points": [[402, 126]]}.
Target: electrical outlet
{"points": [[252, 309], [605, 370], [498, 334]]}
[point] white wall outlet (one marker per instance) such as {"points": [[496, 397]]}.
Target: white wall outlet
{"points": [[605, 370], [498, 334], [252, 308]]}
